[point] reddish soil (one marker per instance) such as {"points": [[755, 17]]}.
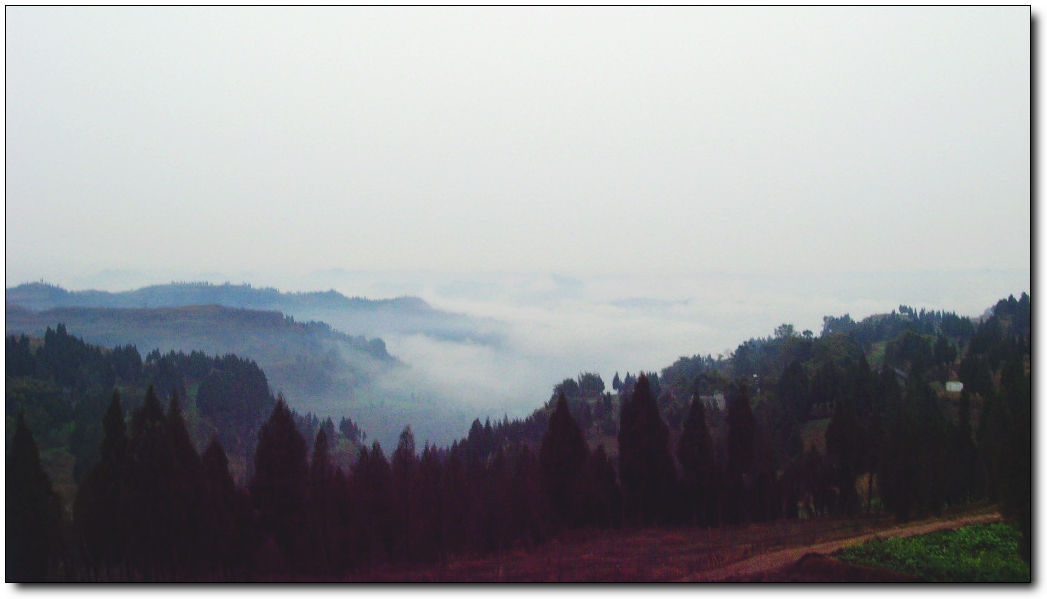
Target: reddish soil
{"points": [[777, 551], [807, 561]]}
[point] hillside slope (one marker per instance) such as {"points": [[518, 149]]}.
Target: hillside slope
{"points": [[318, 368], [371, 317]]}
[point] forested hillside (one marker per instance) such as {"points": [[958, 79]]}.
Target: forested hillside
{"points": [[857, 419], [62, 386], [324, 370]]}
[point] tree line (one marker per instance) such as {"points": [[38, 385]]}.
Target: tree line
{"points": [[153, 508]]}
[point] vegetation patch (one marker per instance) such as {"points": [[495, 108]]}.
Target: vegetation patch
{"points": [[978, 553]]}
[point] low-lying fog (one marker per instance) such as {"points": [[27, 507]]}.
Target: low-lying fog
{"points": [[558, 326], [537, 329]]}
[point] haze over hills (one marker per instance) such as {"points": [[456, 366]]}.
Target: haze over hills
{"points": [[357, 315], [318, 368], [533, 330]]}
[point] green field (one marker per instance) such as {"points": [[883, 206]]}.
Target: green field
{"points": [[978, 553]]}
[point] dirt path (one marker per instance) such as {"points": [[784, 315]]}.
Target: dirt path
{"points": [[774, 560]]}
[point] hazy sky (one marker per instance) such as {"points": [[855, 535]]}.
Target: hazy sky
{"points": [[575, 141]]}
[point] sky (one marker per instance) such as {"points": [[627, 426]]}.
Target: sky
{"points": [[576, 141], [620, 187]]}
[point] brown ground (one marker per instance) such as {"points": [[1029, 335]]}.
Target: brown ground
{"points": [[777, 551], [788, 563]]}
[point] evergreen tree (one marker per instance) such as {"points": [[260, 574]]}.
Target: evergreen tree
{"points": [[427, 533], [1015, 467], [278, 487], [185, 496], [151, 512], [844, 441], [741, 431], [374, 499], [98, 511], [224, 515], [562, 456], [695, 454], [457, 501], [603, 497], [645, 465], [404, 466], [33, 537], [914, 466], [741, 455], [324, 522], [963, 471]]}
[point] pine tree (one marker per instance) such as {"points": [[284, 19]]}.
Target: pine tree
{"points": [[962, 467], [404, 466], [325, 526], [222, 516], [1015, 477], [645, 465], [373, 477], [562, 457], [149, 475], [33, 545], [98, 511], [695, 454], [844, 441], [741, 431], [603, 497], [430, 505], [185, 495], [741, 455], [278, 487]]}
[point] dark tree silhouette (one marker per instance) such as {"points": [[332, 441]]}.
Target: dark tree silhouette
{"points": [[963, 469], [741, 455], [645, 465], [406, 497], [34, 521], [225, 516], [695, 453], [323, 513], [741, 431], [185, 497], [793, 390], [844, 441], [99, 507], [562, 456], [152, 512], [914, 466], [1015, 467], [602, 497], [278, 488], [372, 490], [429, 505]]}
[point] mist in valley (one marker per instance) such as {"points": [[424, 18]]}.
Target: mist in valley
{"points": [[499, 343], [554, 327]]}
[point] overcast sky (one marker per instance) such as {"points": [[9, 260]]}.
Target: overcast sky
{"points": [[575, 141]]}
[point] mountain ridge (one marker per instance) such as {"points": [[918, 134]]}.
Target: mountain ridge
{"points": [[403, 315]]}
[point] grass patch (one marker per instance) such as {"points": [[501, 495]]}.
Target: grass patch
{"points": [[978, 553], [876, 354]]}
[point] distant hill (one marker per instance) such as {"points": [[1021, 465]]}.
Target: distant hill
{"points": [[318, 368], [371, 317]]}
